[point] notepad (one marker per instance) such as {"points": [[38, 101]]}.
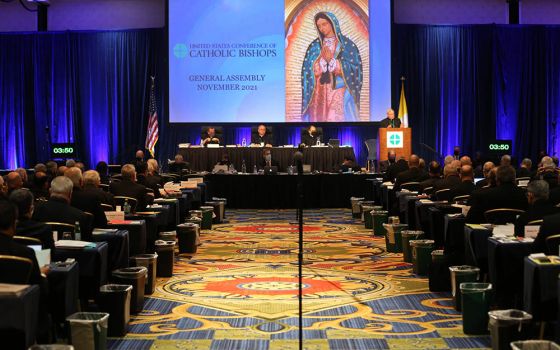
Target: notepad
{"points": [[63, 243]]}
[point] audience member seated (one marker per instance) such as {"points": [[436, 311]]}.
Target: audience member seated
{"points": [[70, 163], [151, 182], [267, 160], [310, 136], [447, 160], [3, 189], [466, 186], [547, 171], [40, 185], [465, 160], [81, 166], [52, 168], [524, 169], [26, 226], [92, 181], [261, 137], [434, 175], [85, 201], [153, 173], [60, 170], [539, 206], [178, 165], [505, 160], [412, 174], [489, 176], [38, 168], [506, 194], [224, 160], [395, 169], [210, 136], [103, 170], [450, 178], [24, 177], [129, 188], [14, 181], [548, 228], [349, 165], [58, 208], [385, 164]]}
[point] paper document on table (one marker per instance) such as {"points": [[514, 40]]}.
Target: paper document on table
{"points": [[63, 243], [531, 231], [503, 230], [43, 256], [114, 215], [12, 289], [100, 231], [476, 227]]}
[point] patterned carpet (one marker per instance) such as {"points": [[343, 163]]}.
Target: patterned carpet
{"points": [[240, 292]]}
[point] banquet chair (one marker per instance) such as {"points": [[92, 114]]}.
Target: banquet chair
{"points": [[411, 186], [15, 269], [443, 194], [104, 187], [60, 228], [461, 199], [107, 207], [552, 244], [114, 168], [502, 216], [119, 200], [429, 190], [23, 240]]}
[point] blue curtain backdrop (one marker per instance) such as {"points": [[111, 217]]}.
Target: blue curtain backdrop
{"points": [[465, 86]]}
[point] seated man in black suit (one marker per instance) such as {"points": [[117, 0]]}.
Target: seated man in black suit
{"points": [[450, 178], [85, 201], [547, 171], [349, 165], [3, 189], [40, 185], [434, 175], [311, 137], [549, 227], [488, 176], [92, 180], [524, 169], [58, 208], [262, 137], [178, 165], [153, 180], [390, 121], [267, 160], [210, 137], [385, 164], [14, 181], [466, 186], [149, 181], [413, 174], [539, 206], [505, 160], [506, 194], [395, 169], [26, 226], [129, 188], [103, 170]]}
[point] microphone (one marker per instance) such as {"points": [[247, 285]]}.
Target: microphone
{"points": [[298, 160]]}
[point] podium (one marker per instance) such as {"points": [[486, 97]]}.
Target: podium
{"points": [[396, 139]]}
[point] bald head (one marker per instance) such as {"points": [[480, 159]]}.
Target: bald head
{"points": [[447, 160], [487, 168], [14, 181], [128, 172], [506, 160], [413, 161], [449, 170], [139, 154], [465, 160], [75, 175], [467, 173], [61, 169], [23, 174]]}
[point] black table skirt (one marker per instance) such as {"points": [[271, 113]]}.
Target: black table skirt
{"points": [[280, 191], [321, 158], [540, 292], [63, 290], [118, 248]]}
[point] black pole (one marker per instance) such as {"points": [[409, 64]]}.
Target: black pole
{"points": [[298, 157], [513, 9], [42, 16]]}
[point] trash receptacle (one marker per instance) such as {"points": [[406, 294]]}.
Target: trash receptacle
{"points": [[439, 279], [114, 299], [364, 204], [421, 255], [88, 330], [207, 213], [534, 345], [355, 204], [507, 326], [186, 235], [223, 203], [460, 274], [475, 300], [216, 217], [136, 277], [379, 218], [393, 238], [406, 237], [166, 258], [150, 262], [170, 236], [368, 221]]}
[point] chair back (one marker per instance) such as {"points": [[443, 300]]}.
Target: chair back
{"points": [[552, 245], [61, 227], [15, 269], [411, 186], [443, 194], [104, 187], [114, 168], [502, 216], [119, 200], [535, 222], [371, 146], [429, 190], [24, 240], [107, 207], [461, 199]]}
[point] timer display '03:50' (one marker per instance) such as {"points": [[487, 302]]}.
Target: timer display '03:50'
{"points": [[63, 150], [498, 147]]}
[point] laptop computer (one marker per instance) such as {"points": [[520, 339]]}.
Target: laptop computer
{"points": [[270, 170], [334, 142], [306, 168]]}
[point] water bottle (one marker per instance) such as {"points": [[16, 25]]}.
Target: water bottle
{"points": [[77, 231], [243, 167], [318, 142], [243, 143], [254, 169], [126, 207]]}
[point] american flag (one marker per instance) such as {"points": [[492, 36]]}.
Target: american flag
{"points": [[153, 131]]}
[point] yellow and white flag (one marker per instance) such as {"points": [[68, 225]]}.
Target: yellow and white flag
{"points": [[403, 110]]}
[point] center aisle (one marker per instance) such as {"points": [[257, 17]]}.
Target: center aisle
{"points": [[239, 291]]}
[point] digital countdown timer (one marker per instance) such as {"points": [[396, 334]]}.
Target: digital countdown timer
{"points": [[502, 146], [63, 150]]}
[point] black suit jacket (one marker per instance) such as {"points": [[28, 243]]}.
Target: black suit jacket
{"points": [[396, 123], [257, 139], [131, 189], [395, 169], [554, 195], [410, 175], [177, 168], [503, 196], [384, 165], [90, 202], [549, 227], [447, 182], [481, 184], [57, 210], [154, 182], [35, 229], [429, 182], [103, 196], [9, 247], [536, 211], [273, 162], [461, 189], [310, 140], [523, 172]]}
